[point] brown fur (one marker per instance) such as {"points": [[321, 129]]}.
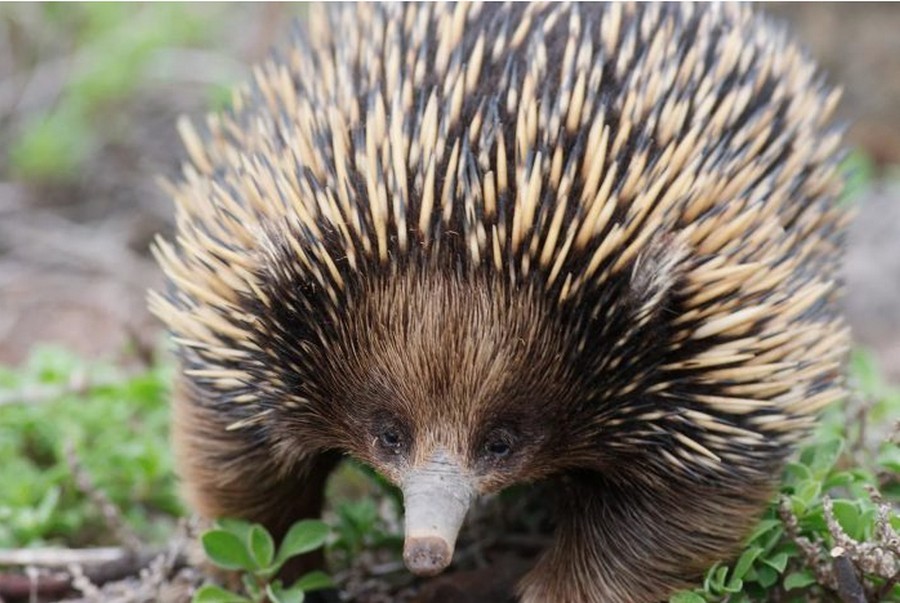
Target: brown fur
{"points": [[604, 238]]}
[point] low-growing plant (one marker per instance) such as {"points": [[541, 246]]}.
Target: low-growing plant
{"points": [[365, 515], [833, 528], [249, 548], [58, 411]]}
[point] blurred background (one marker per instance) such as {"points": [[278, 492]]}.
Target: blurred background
{"points": [[89, 96]]}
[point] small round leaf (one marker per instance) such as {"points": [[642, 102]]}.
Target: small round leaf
{"points": [[227, 550], [262, 546], [303, 537], [799, 580]]}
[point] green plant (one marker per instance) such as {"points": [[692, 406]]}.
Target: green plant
{"points": [[241, 546], [829, 526], [365, 515], [58, 413]]}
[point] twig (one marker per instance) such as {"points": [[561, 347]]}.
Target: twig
{"points": [[164, 565], [60, 557], [812, 552], [63, 242], [97, 566], [110, 511], [82, 583], [33, 584]]}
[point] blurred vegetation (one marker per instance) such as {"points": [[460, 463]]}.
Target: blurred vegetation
{"points": [[57, 408], [103, 53]]}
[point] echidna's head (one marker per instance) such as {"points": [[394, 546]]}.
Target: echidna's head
{"points": [[449, 379], [450, 386]]}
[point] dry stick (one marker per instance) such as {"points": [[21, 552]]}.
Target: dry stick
{"points": [[111, 514], [863, 405], [812, 552], [89, 568], [163, 566], [889, 538], [58, 240], [849, 588], [61, 557], [82, 583], [19, 586], [100, 565]]}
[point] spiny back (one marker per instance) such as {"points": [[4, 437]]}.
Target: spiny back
{"points": [[633, 165]]}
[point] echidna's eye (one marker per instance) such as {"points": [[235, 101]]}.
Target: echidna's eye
{"points": [[391, 440], [498, 448]]}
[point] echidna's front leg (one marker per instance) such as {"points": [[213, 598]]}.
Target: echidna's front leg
{"points": [[227, 474], [635, 544]]}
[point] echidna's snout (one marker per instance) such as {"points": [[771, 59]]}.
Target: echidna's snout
{"points": [[436, 496]]}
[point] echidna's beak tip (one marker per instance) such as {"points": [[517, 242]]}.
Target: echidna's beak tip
{"points": [[436, 495], [427, 555]]}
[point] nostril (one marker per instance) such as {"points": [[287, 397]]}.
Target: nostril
{"points": [[427, 555]]}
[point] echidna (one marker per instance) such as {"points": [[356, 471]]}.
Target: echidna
{"points": [[474, 246]]}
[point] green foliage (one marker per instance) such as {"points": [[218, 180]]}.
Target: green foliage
{"points": [[833, 463], [117, 427], [361, 527], [248, 548], [360, 521]]}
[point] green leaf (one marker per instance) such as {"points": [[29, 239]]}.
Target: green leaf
{"points": [[227, 550], [744, 562], [799, 579], [53, 146], [859, 173], [278, 594], [764, 527], [864, 369], [313, 581], [777, 562], [734, 585], [262, 546], [796, 472], [238, 527], [716, 584], [303, 537], [686, 597], [766, 576], [210, 593], [807, 492], [847, 514]]}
